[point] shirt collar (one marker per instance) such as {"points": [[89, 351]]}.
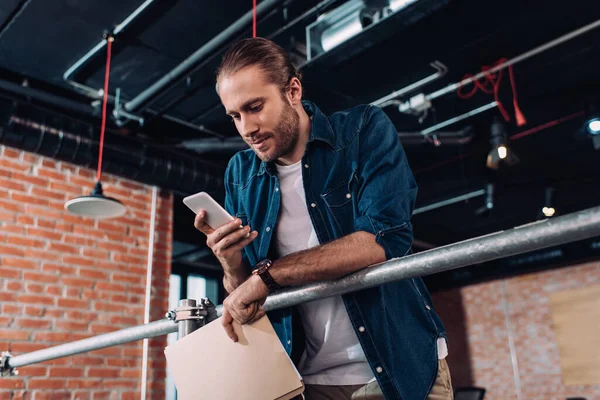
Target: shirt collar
{"points": [[320, 129]]}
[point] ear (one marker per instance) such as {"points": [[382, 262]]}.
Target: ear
{"points": [[295, 91]]}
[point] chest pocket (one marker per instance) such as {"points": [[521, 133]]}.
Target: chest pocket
{"points": [[339, 200]]}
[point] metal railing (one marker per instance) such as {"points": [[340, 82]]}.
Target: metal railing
{"points": [[535, 236]]}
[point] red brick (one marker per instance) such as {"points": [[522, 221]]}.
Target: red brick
{"points": [[94, 253], [79, 315], [9, 184], [120, 320], [110, 287], [59, 269], [26, 347], [104, 372], [43, 212], [71, 326], [39, 383], [86, 184], [42, 233], [73, 292], [113, 247], [87, 262], [93, 274], [78, 282], [13, 165], [33, 311], [54, 290], [87, 383], [86, 173], [46, 223], [85, 360], [20, 263], [52, 336], [32, 370], [26, 242], [64, 248], [66, 371], [10, 250], [73, 303], [27, 323], [64, 227], [28, 199], [36, 299], [7, 296], [14, 229], [79, 240], [118, 298], [11, 206], [11, 383], [100, 306], [78, 220], [71, 190], [11, 309], [32, 276], [34, 288], [11, 153], [50, 174], [127, 278], [31, 159], [9, 334], [42, 255], [98, 329], [14, 286], [10, 273], [131, 373], [49, 163], [25, 220], [34, 180]]}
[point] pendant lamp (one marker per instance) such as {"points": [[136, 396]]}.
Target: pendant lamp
{"points": [[96, 204]]}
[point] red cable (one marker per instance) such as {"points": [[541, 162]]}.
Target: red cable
{"points": [[253, 18], [109, 41], [494, 79]]}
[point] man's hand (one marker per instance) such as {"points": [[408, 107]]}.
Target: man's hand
{"points": [[243, 305], [227, 241]]}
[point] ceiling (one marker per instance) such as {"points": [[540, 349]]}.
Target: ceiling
{"points": [[40, 40]]}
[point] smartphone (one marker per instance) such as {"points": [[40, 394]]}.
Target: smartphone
{"points": [[216, 216]]}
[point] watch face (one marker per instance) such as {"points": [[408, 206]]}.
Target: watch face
{"points": [[264, 264]]}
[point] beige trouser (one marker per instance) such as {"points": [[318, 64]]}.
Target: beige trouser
{"points": [[441, 390]]}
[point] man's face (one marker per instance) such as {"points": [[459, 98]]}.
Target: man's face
{"points": [[262, 115]]}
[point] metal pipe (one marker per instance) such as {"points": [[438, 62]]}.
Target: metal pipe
{"points": [[451, 121], [79, 63], [153, 329], [187, 326], [447, 202], [386, 100], [213, 45], [522, 57], [148, 295], [530, 237]]}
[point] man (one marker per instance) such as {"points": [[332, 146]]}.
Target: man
{"points": [[326, 196]]}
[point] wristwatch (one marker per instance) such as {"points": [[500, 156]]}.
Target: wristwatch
{"points": [[262, 269]]}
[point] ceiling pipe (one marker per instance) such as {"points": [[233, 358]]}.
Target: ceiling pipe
{"points": [[213, 45], [125, 157]]}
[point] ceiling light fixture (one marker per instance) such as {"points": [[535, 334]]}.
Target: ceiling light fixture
{"points": [[96, 205], [548, 210], [500, 152]]}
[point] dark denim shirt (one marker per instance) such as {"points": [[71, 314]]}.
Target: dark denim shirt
{"points": [[356, 178]]}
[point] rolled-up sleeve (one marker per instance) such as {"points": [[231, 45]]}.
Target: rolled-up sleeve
{"points": [[386, 186]]}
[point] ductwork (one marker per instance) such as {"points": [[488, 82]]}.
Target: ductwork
{"points": [[125, 157]]}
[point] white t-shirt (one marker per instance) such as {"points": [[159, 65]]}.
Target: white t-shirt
{"points": [[333, 354]]}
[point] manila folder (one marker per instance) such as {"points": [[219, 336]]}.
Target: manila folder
{"points": [[208, 365]]}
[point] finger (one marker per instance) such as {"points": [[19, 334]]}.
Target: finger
{"points": [[261, 313], [227, 322], [200, 223], [226, 229], [233, 238], [244, 242]]}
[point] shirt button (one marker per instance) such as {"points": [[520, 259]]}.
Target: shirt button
{"points": [[379, 370], [289, 342], [268, 229], [313, 205], [348, 196], [427, 307], [277, 189], [305, 165], [361, 328]]}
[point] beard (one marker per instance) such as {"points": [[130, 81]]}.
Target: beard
{"points": [[285, 135]]}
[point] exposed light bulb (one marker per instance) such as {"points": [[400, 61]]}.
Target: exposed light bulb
{"points": [[502, 152], [548, 211], [594, 126]]}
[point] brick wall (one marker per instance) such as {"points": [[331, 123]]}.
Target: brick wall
{"points": [[64, 278], [479, 353]]}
